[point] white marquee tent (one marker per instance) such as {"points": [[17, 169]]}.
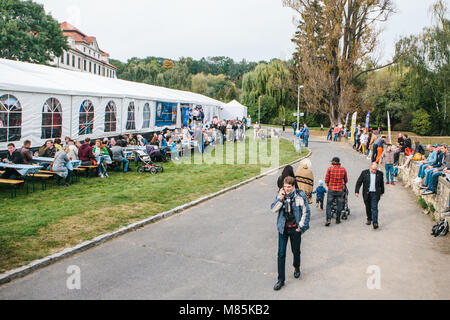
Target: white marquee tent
{"points": [[233, 110], [38, 103]]}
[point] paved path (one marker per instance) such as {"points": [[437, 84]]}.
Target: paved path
{"points": [[226, 249]]}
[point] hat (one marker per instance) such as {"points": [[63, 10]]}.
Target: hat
{"points": [[436, 145], [321, 183], [336, 160]]}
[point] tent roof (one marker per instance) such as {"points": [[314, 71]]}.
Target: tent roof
{"points": [[235, 103], [28, 77]]}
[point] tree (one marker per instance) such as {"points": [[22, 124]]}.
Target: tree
{"points": [[271, 79], [333, 39], [28, 34]]}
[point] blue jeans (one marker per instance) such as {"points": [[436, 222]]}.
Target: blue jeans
{"points": [[329, 136], [339, 196], [389, 172], [374, 152], [305, 140], [422, 168], [126, 163], [336, 135], [372, 207], [296, 239], [434, 181]]}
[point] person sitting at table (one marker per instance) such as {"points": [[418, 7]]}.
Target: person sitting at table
{"points": [[85, 153], [48, 150], [162, 145], [60, 166], [131, 140], [154, 141], [66, 140], [141, 141], [118, 156], [71, 150], [57, 143], [99, 151], [25, 152], [12, 157]]}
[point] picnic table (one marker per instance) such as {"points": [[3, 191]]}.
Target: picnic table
{"points": [[75, 163], [22, 169]]}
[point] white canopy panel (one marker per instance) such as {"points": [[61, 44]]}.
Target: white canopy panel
{"points": [[233, 110]]}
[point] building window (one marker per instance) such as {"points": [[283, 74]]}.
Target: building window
{"points": [[62, 57], [79, 63], [86, 118], [68, 59], [85, 69], [51, 119], [110, 117], [99, 70], [90, 66], [146, 116], [131, 123], [10, 118], [73, 61]]}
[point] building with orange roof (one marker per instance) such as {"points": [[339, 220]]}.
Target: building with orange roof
{"points": [[84, 54]]}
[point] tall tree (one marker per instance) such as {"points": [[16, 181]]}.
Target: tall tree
{"points": [[333, 39], [28, 34]]}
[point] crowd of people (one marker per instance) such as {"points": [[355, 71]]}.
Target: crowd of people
{"points": [[109, 153]]}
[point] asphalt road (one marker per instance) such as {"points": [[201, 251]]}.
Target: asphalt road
{"points": [[226, 248]]}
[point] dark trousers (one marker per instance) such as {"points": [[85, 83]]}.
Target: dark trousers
{"points": [[296, 239], [372, 207], [374, 152], [339, 196], [320, 200], [10, 174]]}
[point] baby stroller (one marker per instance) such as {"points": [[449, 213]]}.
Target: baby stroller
{"points": [[345, 210], [149, 166]]}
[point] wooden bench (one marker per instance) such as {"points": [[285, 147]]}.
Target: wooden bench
{"points": [[43, 177], [13, 184], [90, 169], [77, 172]]}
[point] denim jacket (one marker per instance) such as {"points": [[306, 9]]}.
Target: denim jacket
{"points": [[301, 212]]}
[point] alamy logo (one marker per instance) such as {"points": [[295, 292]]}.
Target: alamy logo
{"points": [[74, 280], [374, 280]]}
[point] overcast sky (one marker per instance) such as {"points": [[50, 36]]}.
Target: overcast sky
{"points": [[251, 29]]}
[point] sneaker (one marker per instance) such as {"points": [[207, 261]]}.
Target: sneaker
{"points": [[327, 224], [427, 192], [101, 175], [387, 182], [423, 187], [393, 183]]}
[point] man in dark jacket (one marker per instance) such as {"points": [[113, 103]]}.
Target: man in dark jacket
{"points": [[373, 188], [12, 157], [25, 152], [85, 153]]}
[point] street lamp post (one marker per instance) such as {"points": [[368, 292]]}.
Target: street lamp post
{"points": [[298, 107], [259, 110]]}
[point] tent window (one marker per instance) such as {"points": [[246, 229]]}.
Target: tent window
{"points": [[10, 118], [110, 117], [131, 123], [51, 119], [86, 118], [146, 123]]}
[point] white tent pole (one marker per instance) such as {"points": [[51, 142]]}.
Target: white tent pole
{"points": [[71, 117]]}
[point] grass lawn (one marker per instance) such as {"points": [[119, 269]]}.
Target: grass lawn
{"points": [[44, 222]]}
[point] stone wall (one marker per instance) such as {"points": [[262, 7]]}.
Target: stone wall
{"points": [[438, 200]]}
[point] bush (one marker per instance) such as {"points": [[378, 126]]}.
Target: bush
{"points": [[422, 203], [421, 122]]}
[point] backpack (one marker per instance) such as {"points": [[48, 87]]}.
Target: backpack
{"points": [[440, 229]]}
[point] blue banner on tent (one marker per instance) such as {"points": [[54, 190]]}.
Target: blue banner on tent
{"points": [[166, 114]]}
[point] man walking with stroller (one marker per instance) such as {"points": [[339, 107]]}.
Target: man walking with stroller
{"points": [[373, 188], [335, 179]]}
